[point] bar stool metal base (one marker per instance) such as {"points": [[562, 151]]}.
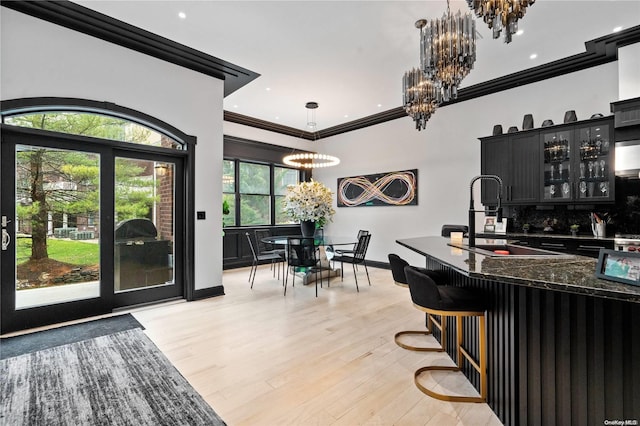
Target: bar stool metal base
{"points": [[441, 396], [480, 366], [416, 348]]}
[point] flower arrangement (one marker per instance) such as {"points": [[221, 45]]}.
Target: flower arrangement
{"points": [[309, 201]]}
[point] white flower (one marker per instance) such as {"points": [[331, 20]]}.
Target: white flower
{"points": [[309, 201]]}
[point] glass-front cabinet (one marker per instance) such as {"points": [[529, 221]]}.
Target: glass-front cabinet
{"points": [[578, 162]]}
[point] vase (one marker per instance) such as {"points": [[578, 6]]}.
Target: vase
{"points": [[308, 228]]}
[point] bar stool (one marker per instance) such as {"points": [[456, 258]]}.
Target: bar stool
{"points": [[448, 301], [399, 277]]}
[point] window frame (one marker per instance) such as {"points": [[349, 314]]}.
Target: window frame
{"points": [[272, 195]]}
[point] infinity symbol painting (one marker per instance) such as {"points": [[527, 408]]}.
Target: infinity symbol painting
{"points": [[382, 189]]}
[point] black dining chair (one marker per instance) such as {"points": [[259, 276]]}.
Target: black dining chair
{"points": [[260, 258], [397, 265], [301, 253], [264, 248], [341, 252], [358, 258], [449, 301]]}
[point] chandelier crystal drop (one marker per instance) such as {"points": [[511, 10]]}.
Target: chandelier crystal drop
{"points": [[420, 97], [447, 50], [501, 14]]}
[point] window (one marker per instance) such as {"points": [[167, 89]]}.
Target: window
{"points": [[282, 177], [228, 193], [255, 199], [94, 125], [253, 192]]}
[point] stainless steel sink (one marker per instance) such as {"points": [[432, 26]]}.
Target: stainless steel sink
{"points": [[510, 250]]}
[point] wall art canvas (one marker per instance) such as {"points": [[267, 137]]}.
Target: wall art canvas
{"points": [[380, 189]]}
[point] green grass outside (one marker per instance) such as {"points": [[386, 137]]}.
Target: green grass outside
{"points": [[72, 252]]}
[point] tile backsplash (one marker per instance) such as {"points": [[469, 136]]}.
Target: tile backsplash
{"points": [[622, 217]]}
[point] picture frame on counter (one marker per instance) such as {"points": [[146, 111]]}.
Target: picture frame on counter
{"points": [[619, 266], [491, 225]]}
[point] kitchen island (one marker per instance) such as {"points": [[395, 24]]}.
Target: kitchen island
{"points": [[563, 346]]}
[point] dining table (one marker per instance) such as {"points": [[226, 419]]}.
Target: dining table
{"points": [[324, 243]]}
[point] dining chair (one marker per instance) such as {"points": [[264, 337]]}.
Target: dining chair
{"points": [[358, 257], [259, 258], [341, 252], [264, 248], [301, 253]]}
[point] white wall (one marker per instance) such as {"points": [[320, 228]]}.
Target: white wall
{"points": [[43, 59], [629, 71], [259, 135], [447, 154]]}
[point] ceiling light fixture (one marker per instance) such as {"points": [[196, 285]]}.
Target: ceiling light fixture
{"points": [[447, 50], [421, 97], [311, 160], [501, 14], [311, 115]]}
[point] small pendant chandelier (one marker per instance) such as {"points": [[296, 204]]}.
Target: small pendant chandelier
{"points": [[420, 97], [447, 50], [501, 14], [311, 160]]}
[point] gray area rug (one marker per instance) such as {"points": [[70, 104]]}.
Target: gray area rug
{"points": [[31, 342], [118, 379]]}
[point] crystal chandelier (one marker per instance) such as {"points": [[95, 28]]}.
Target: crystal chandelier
{"points": [[447, 50], [499, 14], [420, 97]]}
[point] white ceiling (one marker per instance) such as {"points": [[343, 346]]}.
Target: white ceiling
{"points": [[349, 56]]}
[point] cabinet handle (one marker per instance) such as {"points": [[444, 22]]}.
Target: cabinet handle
{"points": [[590, 248], [554, 245]]}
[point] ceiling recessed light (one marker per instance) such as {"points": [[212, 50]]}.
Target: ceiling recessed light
{"points": [[379, 105], [268, 89], [277, 118], [520, 32], [346, 116], [182, 15], [235, 106], [533, 56], [616, 29]]}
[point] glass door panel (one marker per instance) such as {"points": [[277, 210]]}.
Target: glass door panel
{"points": [[557, 165], [595, 162], [57, 226], [144, 243]]}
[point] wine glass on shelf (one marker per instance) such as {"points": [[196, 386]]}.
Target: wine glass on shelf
{"points": [[551, 172], [604, 188], [583, 187], [582, 170], [560, 170], [602, 163], [596, 167], [552, 190], [590, 166]]}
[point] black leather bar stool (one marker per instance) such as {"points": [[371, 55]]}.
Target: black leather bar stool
{"points": [[448, 301], [399, 277]]}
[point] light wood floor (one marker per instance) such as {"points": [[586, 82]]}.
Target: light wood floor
{"points": [[260, 358]]}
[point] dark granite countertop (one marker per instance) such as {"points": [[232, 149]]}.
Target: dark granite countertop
{"points": [[573, 274], [516, 235]]}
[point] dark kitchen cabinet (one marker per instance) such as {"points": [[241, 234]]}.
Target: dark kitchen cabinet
{"points": [[515, 158], [578, 162]]}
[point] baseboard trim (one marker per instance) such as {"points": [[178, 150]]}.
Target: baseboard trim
{"points": [[205, 293]]}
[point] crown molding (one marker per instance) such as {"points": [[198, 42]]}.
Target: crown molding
{"points": [[87, 21], [597, 52], [71, 15]]}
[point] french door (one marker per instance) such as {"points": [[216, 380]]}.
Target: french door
{"points": [[88, 226]]}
